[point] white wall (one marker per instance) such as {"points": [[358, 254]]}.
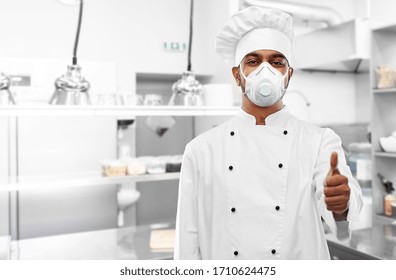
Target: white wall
{"points": [[382, 12], [332, 96]]}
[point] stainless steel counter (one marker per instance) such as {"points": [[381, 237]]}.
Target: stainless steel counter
{"points": [[131, 243], [376, 242], [128, 243]]}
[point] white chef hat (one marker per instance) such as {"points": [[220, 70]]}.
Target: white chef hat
{"points": [[255, 28]]}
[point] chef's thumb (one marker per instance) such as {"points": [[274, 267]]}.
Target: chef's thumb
{"points": [[333, 164]]}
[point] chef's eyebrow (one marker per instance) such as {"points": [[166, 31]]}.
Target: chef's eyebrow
{"points": [[273, 55], [277, 55], [253, 54]]}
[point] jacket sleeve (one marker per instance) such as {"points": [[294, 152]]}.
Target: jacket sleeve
{"points": [[186, 241], [331, 142]]}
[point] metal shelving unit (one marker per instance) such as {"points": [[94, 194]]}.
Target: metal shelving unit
{"points": [[92, 178], [385, 154], [383, 121], [79, 180], [13, 183], [116, 111]]}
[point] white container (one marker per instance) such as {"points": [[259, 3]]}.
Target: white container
{"points": [[218, 95], [156, 165], [388, 144], [113, 168], [136, 166], [363, 162]]}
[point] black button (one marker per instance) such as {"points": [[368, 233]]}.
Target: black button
{"points": [[236, 253], [273, 251], [232, 133], [230, 167], [285, 132], [280, 165], [232, 209], [277, 208]]}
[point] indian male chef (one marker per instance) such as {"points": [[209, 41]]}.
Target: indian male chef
{"points": [[259, 185]]}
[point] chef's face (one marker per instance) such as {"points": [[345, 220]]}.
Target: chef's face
{"points": [[252, 60]]}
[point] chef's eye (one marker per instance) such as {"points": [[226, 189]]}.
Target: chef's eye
{"points": [[252, 62], [278, 63]]}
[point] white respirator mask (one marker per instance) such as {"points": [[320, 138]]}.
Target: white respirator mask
{"points": [[265, 85]]}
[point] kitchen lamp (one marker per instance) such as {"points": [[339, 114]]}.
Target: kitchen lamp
{"points": [[6, 96], [71, 88], [187, 91]]}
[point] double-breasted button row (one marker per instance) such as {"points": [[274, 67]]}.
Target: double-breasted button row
{"points": [[277, 208], [280, 165], [232, 133]]}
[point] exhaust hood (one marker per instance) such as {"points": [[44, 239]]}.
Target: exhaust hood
{"points": [[302, 11], [343, 47]]}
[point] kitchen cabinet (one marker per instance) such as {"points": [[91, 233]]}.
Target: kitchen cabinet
{"points": [[347, 41], [383, 114], [11, 184]]}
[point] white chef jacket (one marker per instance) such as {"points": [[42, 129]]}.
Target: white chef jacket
{"points": [[250, 191]]}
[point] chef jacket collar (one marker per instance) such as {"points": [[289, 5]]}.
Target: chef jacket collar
{"points": [[278, 118]]}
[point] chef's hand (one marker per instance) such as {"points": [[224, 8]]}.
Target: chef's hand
{"points": [[336, 190]]}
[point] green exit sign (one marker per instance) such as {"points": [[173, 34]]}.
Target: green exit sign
{"points": [[174, 46]]}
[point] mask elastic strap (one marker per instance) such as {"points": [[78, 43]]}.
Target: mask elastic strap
{"points": [[240, 70]]}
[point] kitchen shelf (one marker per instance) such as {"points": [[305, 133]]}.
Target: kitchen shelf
{"points": [[383, 115], [386, 219], [115, 111], [387, 90], [79, 180], [385, 154]]}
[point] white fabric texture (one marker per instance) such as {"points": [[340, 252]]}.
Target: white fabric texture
{"points": [[270, 203], [255, 28]]}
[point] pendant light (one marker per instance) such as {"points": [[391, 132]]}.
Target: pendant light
{"points": [[6, 96], [187, 91], [71, 88]]}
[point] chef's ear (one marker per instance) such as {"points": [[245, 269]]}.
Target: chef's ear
{"points": [[291, 71], [290, 74], [237, 76]]}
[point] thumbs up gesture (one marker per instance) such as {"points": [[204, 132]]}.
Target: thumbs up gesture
{"points": [[336, 190]]}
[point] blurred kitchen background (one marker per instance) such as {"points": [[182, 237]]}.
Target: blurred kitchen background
{"points": [[97, 177]]}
